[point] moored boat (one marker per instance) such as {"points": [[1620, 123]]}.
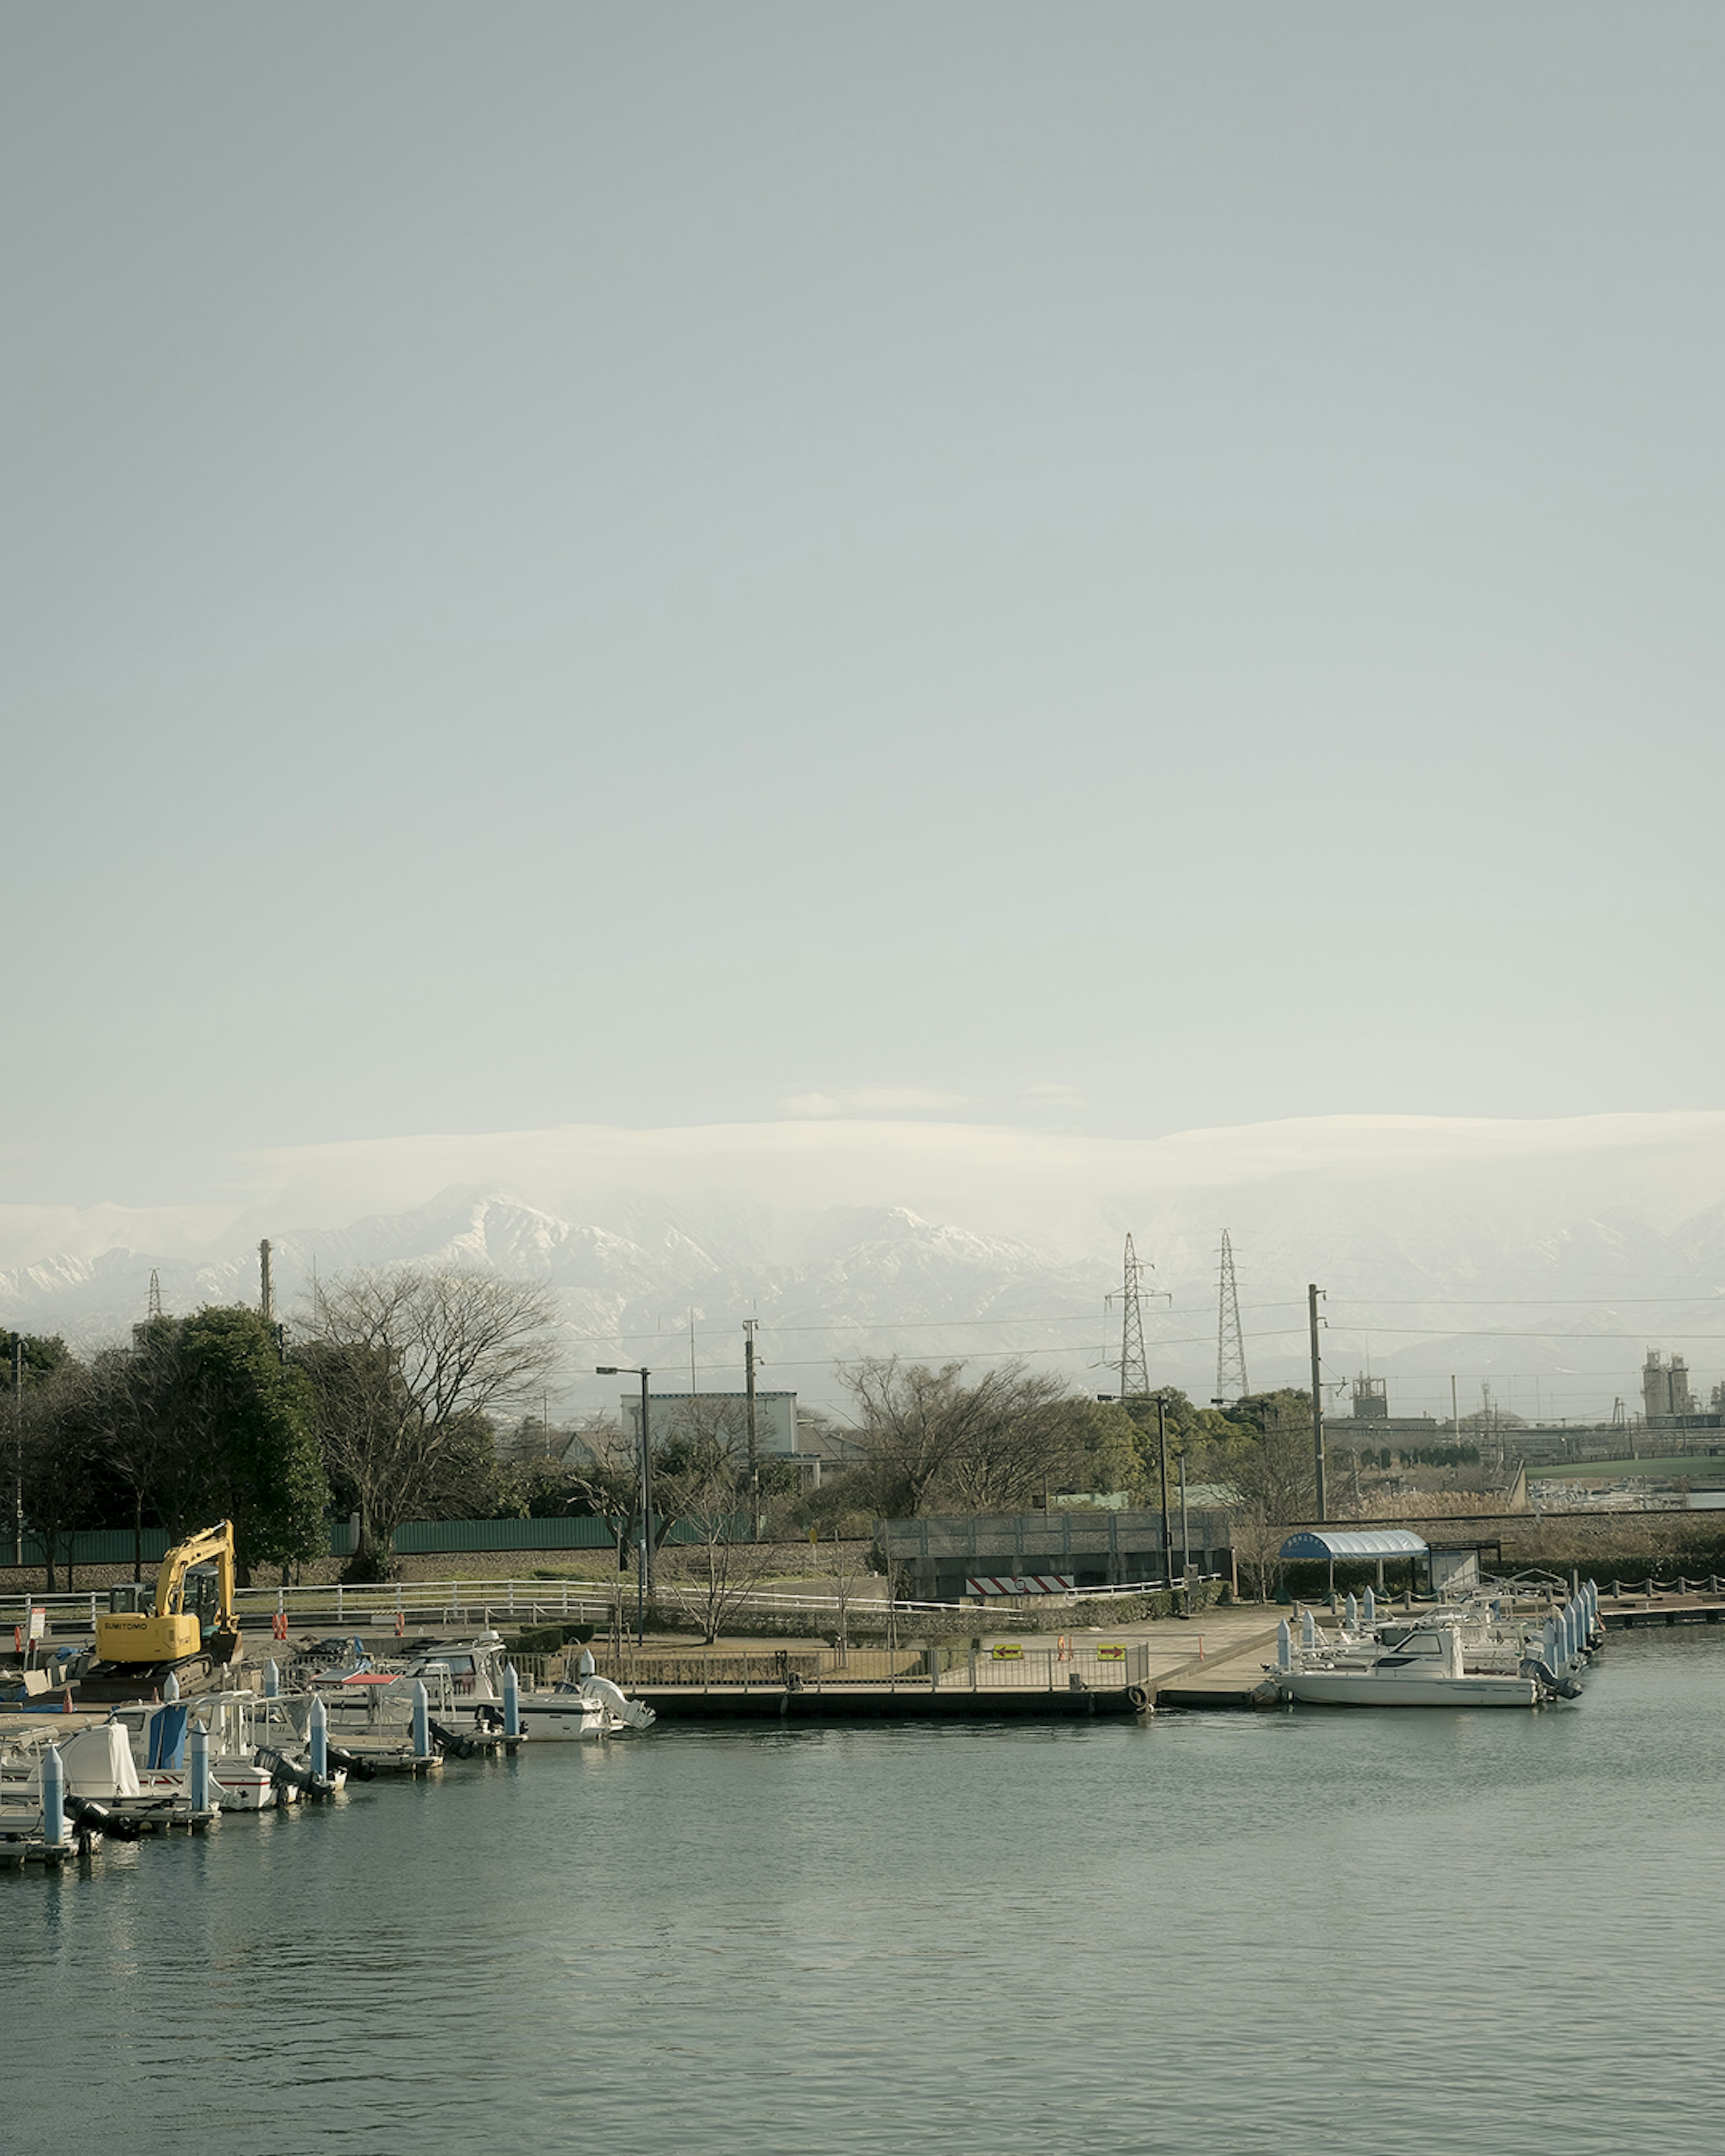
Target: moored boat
{"points": [[1476, 1653]]}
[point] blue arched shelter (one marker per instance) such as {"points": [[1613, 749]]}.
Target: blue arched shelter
{"points": [[1354, 1544]]}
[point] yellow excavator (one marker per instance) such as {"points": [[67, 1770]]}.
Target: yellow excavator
{"points": [[188, 1628]]}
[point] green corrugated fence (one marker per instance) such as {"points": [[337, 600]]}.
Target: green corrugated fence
{"points": [[413, 1538]]}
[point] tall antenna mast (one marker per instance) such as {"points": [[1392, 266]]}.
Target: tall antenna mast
{"points": [[1230, 1342], [266, 1287], [1134, 1363]]}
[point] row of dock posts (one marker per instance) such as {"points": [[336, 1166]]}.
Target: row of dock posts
{"points": [[56, 1829], [317, 1732], [1285, 1638], [1569, 1631]]}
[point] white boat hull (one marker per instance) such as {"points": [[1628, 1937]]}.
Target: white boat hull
{"points": [[560, 1721], [1361, 1688]]}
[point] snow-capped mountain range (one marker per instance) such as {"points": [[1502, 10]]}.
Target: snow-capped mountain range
{"points": [[1470, 1272], [859, 1282]]}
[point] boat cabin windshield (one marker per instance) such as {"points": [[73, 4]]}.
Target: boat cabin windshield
{"points": [[1404, 1640]]}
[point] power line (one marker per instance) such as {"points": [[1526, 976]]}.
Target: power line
{"points": [[838, 1362], [1522, 1301], [1509, 1332]]}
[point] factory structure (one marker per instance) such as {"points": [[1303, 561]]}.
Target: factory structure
{"points": [[1668, 1401]]}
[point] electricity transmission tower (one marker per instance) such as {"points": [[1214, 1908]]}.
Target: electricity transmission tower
{"points": [[1134, 1365], [154, 1305], [1230, 1342]]}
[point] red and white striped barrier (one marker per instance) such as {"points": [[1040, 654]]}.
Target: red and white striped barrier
{"points": [[1024, 1583]]}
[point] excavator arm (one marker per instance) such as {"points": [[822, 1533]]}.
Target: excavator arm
{"points": [[216, 1541]]}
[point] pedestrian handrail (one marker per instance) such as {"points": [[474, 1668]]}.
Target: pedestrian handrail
{"points": [[1095, 1666], [533, 1601]]}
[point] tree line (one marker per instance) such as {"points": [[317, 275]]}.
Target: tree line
{"points": [[384, 1402], [380, 1405]]}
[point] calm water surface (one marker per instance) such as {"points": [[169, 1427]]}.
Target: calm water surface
{"points": [[1373, 1933]]}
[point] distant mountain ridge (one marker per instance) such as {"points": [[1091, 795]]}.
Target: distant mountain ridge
{"points": [[1450, 1274], [856, 1271]]}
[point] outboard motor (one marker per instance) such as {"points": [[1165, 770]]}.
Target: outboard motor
{"points": [[1551, 1685], [450, 1740], [90, 1817], [634, 1711], [359, 1769], [288, 1774]]}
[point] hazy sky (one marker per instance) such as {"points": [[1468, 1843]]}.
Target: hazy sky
{"points": [[1120, 566]]}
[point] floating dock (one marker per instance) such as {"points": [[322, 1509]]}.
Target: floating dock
{"points": [[1636, 1613], [866, 1701]]}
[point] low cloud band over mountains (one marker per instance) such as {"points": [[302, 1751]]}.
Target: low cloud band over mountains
{"points": [[1543, 1257]]}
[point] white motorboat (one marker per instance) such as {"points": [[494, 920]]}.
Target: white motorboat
{"points": [[588, 1706], [1425, 1667], [259, 1754], [100, 1777], [1477, 1653]]}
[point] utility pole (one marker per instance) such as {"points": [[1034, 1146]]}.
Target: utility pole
{"points": [[644, 1578], [1230, 1342], [1185, 1529], [644, 1570], [17, 1449], [748, 1381], [1317, 1401], [266, 1287], [1167, 1539]]}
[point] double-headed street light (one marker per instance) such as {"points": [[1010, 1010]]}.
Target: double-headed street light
{"points": [[643, 1566]]}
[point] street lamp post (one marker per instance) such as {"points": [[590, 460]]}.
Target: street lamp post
{"points": [[1168, 1540], [644, 1567]]}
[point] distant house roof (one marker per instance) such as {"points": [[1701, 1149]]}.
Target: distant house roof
{"points": [[1376, 1541]]}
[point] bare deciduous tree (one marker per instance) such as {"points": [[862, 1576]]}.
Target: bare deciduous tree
{"points": [[1270, 1474], [993, 1445], [55, 1460], [703, 1487], [407, 1365]]}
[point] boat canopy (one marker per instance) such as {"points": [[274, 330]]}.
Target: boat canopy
{"points": [[1329, 1543]]}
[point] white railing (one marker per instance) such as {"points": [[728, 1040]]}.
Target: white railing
{"points": [[454, 1601]]}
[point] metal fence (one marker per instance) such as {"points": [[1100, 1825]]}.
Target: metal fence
{"points": [[422, 1602], [1099, 1666], [412, 1538]]}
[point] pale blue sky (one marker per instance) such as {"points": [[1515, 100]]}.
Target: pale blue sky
{"points": [[631, 564]]}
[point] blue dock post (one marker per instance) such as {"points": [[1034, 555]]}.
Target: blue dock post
{"points": [[1371, 1612], [1284, 1645], [272, 1681], [586, 1665], [1308, 1629], [511, 1702], [200, 1768], [317, 1736], [1353, 1611], [421, 1722], [53, 1799]]}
